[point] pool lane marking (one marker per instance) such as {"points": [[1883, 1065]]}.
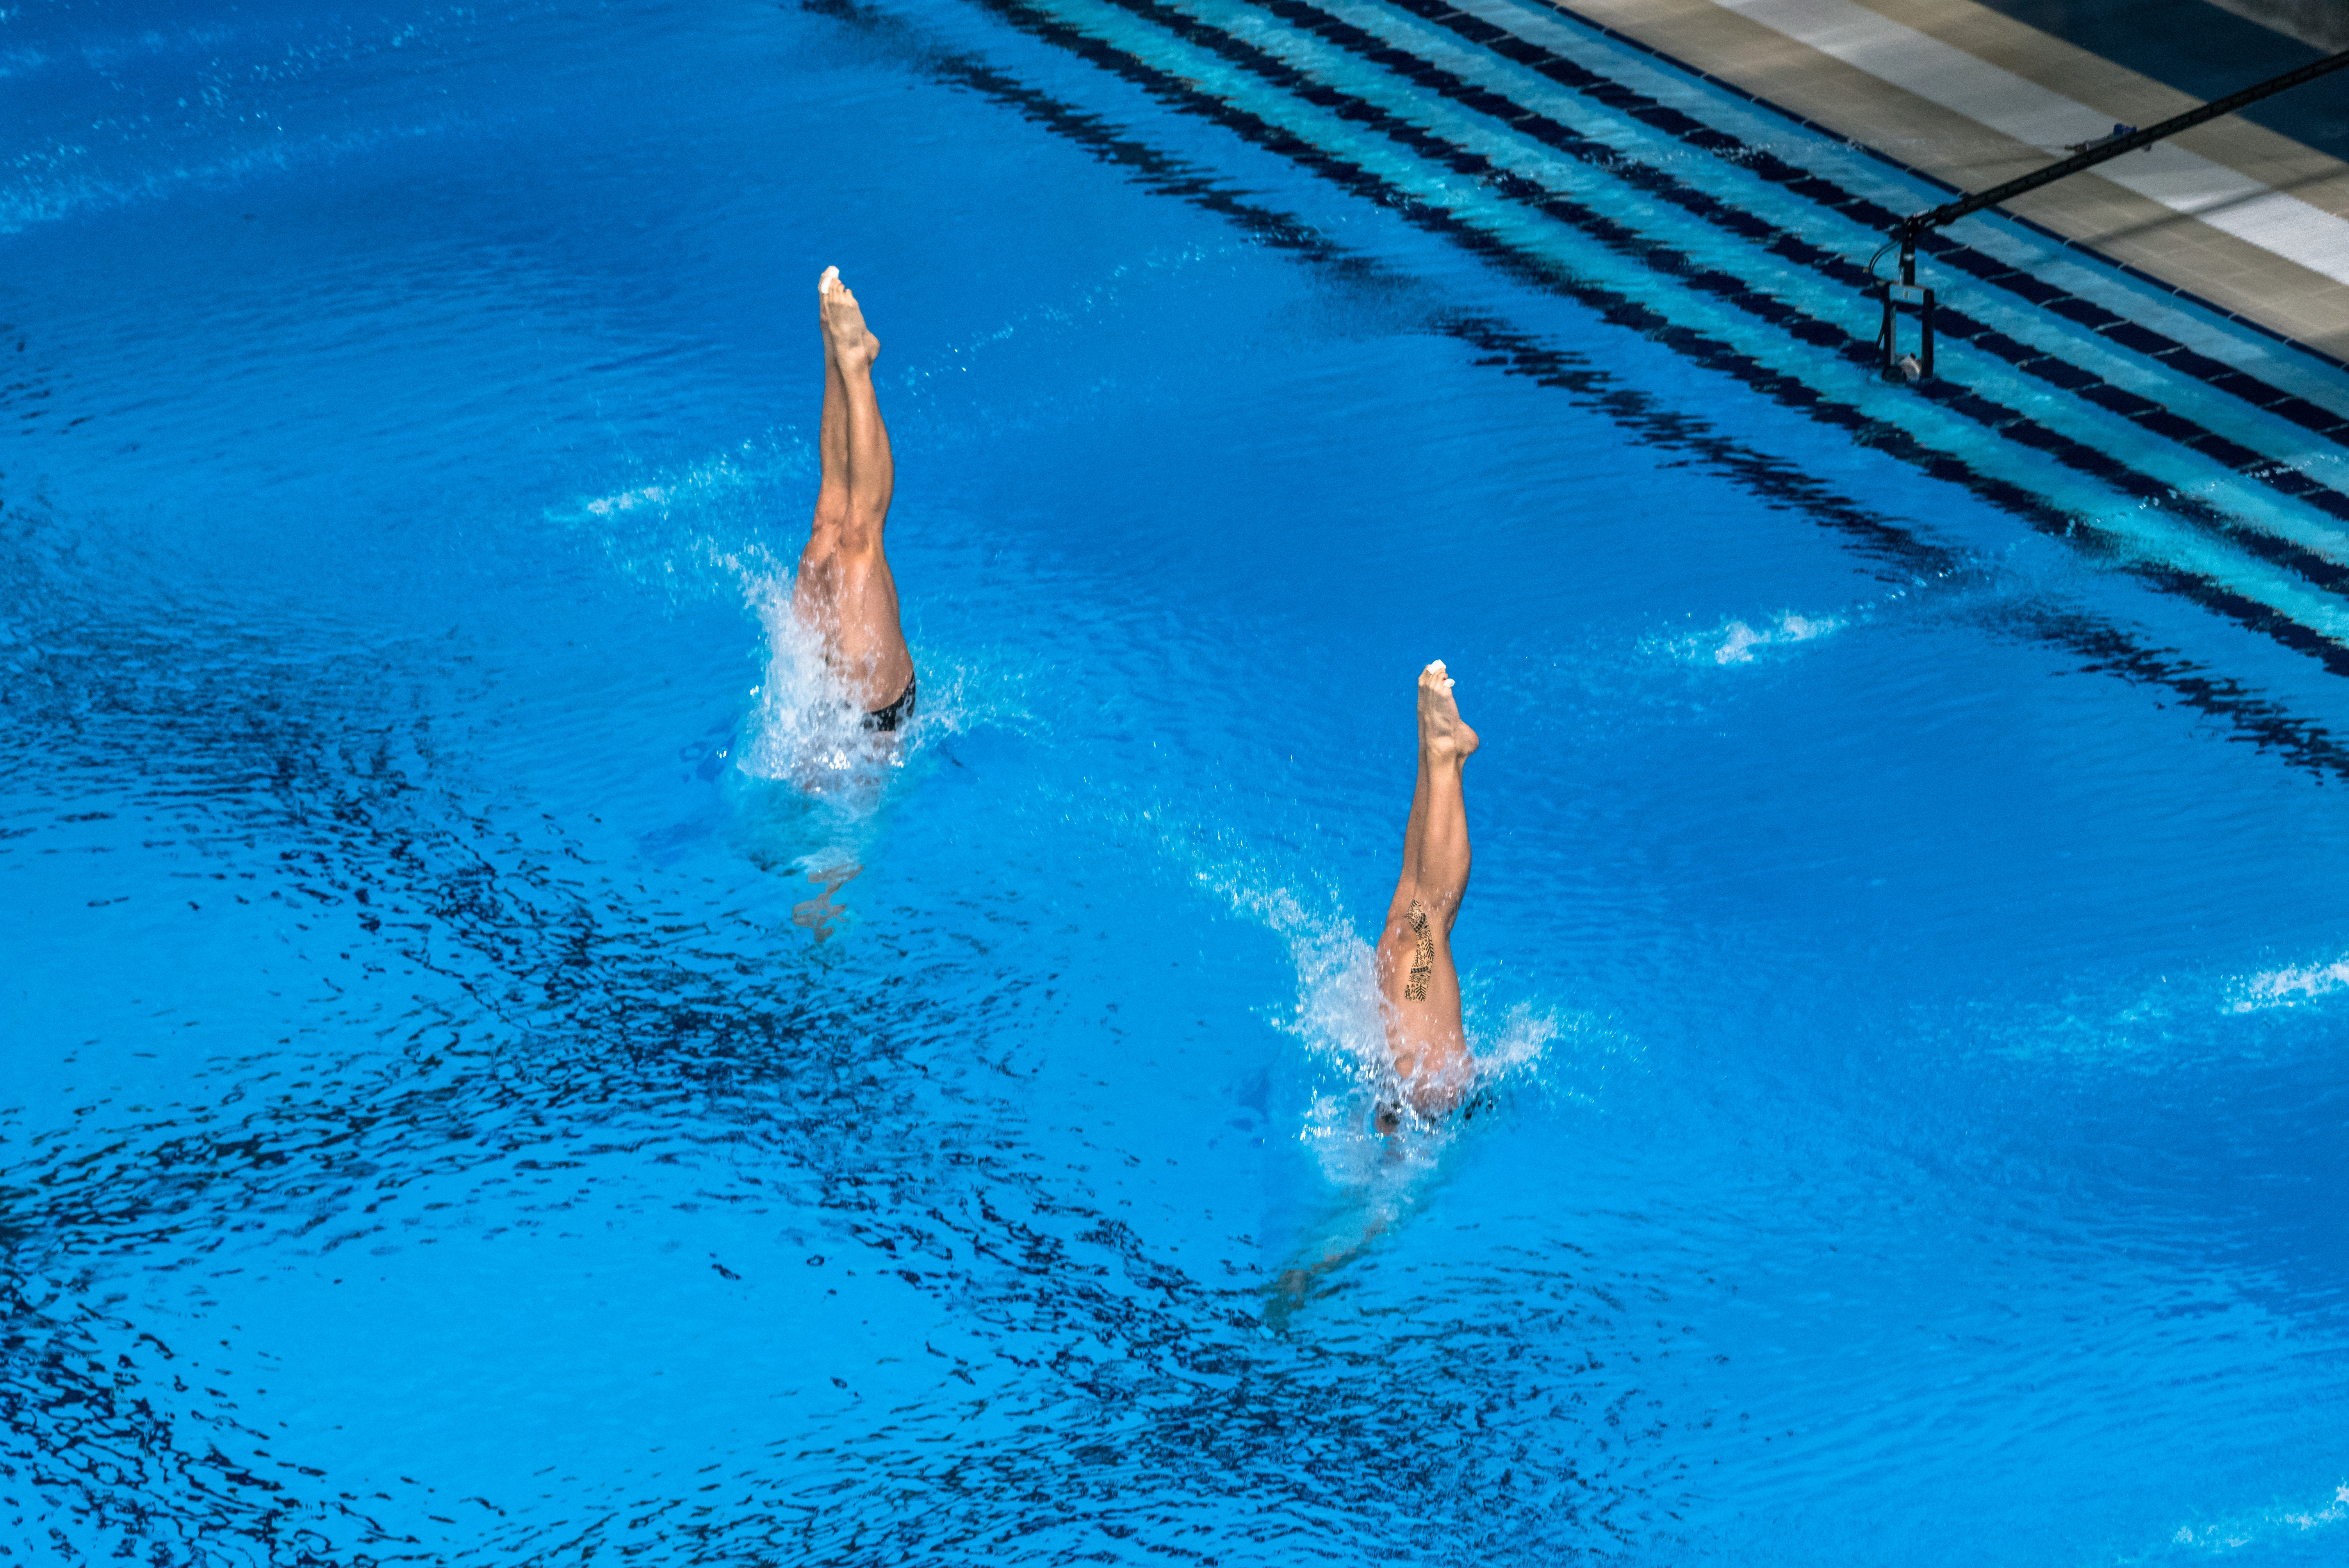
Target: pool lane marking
{"points": [[2207, 463], [2233, 463], [1547, 47], [2015, 329], [2222, 579], [2268, 724], [2220, 547], [2183, 181], [1287, 124]]}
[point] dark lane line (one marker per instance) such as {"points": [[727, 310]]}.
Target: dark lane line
{"points": [[1903, 556], [2041, 363], [1788, 389], [2330, 423]]}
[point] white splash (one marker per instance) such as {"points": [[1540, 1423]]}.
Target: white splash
{"points": [[2290, 987], [2233, 1535], [1736, 643], [699, 532], [1339, 1018], [1517, 1042], [628, 501], [805, 728]]}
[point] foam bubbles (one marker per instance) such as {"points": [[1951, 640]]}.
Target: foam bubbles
{"points": [[1338, 1018], [805, 729], [2290, 987], [699, 533], [628, 501], [2230, 1536], [1736, 643]]}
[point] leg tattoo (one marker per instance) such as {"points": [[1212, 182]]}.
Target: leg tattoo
{"points": [[1422, 958]]}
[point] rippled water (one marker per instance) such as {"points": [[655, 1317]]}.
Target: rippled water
{"points": [[483, 1087]]}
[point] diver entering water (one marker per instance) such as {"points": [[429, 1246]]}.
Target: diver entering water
{"points": [[844, 594], [1419, 989], [1418, 985]]}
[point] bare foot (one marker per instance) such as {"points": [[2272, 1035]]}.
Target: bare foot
{"points": [[846, 339], [824, 287], [1443, 733]]}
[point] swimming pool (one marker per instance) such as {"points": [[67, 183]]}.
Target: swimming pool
{"points": [[1906, 932]]}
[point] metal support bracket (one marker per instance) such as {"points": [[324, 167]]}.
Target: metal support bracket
{"points": [[1896, 365], [1891, 363]]}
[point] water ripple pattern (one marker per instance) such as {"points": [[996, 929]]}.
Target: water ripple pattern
{"points": [[497, 1069]]}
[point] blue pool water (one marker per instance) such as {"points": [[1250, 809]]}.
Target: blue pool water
{"points": [[1908, 937]]}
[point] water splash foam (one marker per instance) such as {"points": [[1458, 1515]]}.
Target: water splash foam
{"points": [[700, 533], [805, 728], [1737, 641], [2290, 987], [1338, 1018], [2233, 1535]]}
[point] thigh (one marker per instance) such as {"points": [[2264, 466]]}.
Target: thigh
{"points": [[869, 643], [1423, 1029]]}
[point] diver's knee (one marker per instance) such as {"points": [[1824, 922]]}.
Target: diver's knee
{"points": [[832, 509], [859, 530]]}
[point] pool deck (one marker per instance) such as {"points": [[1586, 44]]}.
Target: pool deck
{"points": [[2249, 221]]}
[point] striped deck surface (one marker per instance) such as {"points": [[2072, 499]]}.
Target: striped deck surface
{"points": [[2232, 212]]}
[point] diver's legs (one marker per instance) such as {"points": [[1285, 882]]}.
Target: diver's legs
{"points": [[1407, 886], [814, 591], [1416, 975], [845, 592], [831, 437]]}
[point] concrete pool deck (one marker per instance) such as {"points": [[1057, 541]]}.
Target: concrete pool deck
{"points": [[2245, 219]]}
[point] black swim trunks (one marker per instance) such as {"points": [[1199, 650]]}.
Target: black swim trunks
{"points": [[897, 713]]}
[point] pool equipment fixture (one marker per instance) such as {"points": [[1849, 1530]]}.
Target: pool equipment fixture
{"points": [[1905, 298]]}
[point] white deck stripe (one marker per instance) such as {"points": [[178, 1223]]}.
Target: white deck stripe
{"points": [[2180, 180]]}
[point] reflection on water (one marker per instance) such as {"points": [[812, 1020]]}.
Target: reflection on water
{"points": [[820, 912]]}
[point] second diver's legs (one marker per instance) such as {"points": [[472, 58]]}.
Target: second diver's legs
{"points": [[1419, 989], [1417, 979], [845, 594]]}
